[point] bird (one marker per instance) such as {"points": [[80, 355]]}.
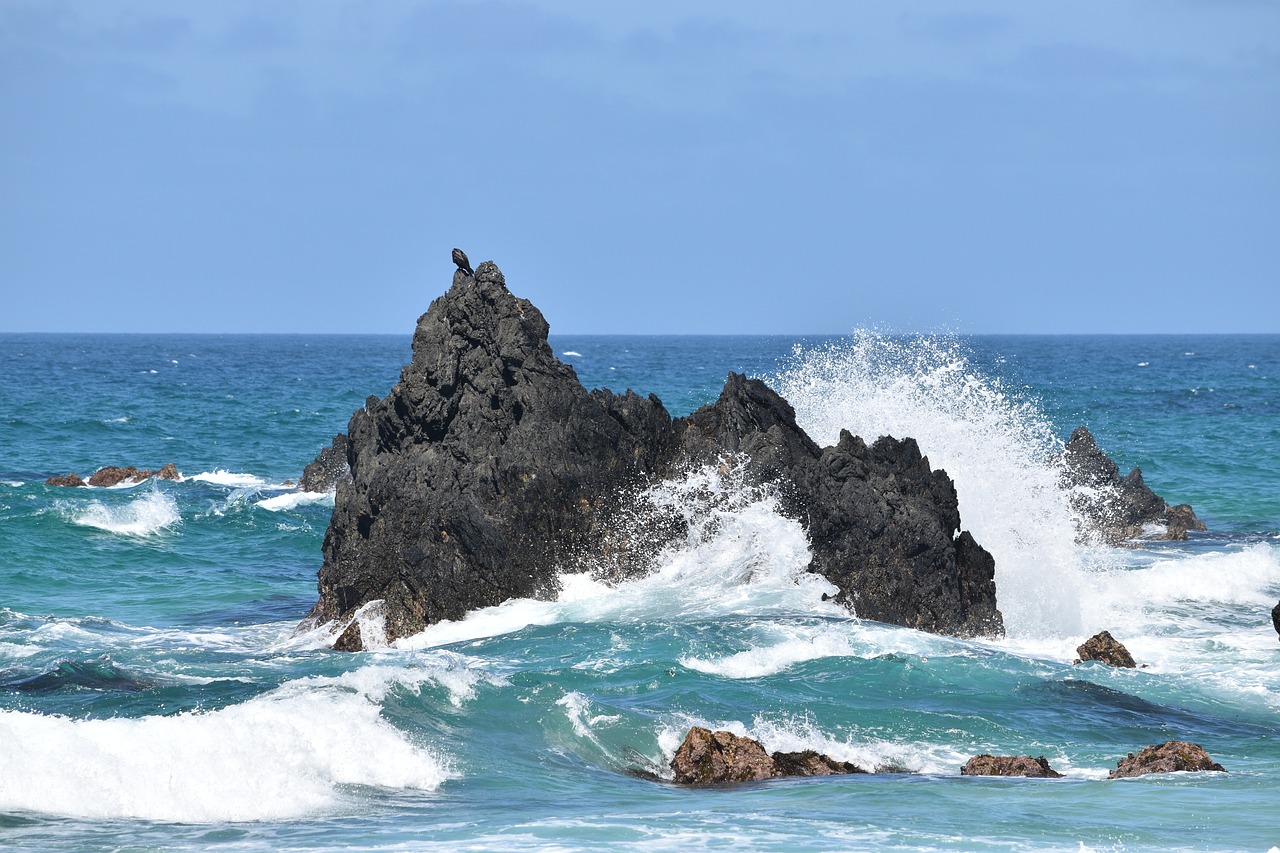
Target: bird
{"points": [[460, 258]]}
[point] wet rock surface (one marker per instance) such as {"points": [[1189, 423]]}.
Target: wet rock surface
{"points": [[1173, 756], [707, 758], [1105, 648], [1118, 508], [1009, 765], [328, 468], [489, 469], [113, 475], [1275, 617]]}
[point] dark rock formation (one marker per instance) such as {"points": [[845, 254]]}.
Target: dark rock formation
{"points": [[1106, 649], [328, 468], [708, 757], [65, 480], [1275, 617], [1173, 756], [1008, 765], [489, 469], [810, 763], [1117, 508]]}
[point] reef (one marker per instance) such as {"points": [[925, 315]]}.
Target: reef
{"points": [[709, 758], [1118, 508], [113, 475], [489, 469], [1009, 765], [1174, 756]]}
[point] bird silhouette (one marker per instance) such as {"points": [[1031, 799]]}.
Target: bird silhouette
{"points": [[460, 258]]}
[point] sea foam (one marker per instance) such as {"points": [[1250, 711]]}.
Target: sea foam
{"points": [[280, 756], [147, 515], [219, 477], [740, 557]]}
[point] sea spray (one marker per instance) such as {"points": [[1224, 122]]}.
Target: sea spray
{"points": [[998, 449], [144, 516]]}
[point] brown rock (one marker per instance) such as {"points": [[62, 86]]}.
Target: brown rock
{"points": [[1173, 756], [168, 472], [810, 763], [113, 476], [1107, 649], [65, 480], [708, 757], [1008, 765]]}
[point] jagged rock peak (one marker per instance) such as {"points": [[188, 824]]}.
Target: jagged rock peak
{"points": [[488, 470]]}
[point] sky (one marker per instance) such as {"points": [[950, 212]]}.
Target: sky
{"points": [[642, 167]]}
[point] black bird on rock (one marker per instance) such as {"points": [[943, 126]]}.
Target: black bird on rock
{"points": [[460, 258]]}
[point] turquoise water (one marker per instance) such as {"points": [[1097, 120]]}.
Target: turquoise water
{"points": [[154, 694]]}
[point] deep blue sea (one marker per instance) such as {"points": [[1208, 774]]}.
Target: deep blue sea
{"points": [[155, 696]]}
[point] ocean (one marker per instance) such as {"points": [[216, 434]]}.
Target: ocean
{"points": [[155, 694]]}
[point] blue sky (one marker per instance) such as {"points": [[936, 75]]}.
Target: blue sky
{"points": [[649, 167]]}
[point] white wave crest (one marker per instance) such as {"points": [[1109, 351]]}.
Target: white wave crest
{"points": [[997, 449], [219, 477], [153, 512], [277, 757], [293, 500]]}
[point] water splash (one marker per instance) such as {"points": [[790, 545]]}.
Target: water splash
{"points": [[998, 448], [148, 515]]}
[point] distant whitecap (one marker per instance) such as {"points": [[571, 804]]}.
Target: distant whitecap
{"points": [[571, 352], [293, 500], [220, 477], [1144, 364]]}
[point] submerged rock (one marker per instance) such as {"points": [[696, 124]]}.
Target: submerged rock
{"points": [[1118, 508], [706, 757], [1106, 649], [1173, 756], [811, 763], [1008, 765], [328, 468], [65, 480], [489, 469]]}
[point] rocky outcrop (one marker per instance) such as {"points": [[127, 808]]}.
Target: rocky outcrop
{"points": [[330, 466], [1008, 765], [112, 475], [1275, 617], [489, 469], [1117, 508], [1173, 756], [1106, 649], [706, 757], [811, 763]]}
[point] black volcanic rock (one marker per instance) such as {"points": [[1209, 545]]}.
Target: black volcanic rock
{"points": [[1117, 507], [328, 468], [489, 469], [1275, 617]]}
